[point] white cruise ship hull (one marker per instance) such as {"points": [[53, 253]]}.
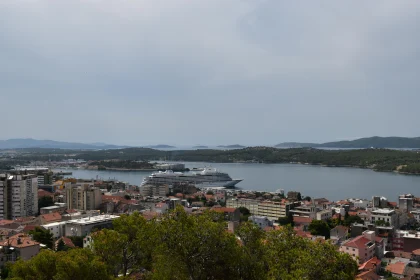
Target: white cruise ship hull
{"points": [[225, 184]]}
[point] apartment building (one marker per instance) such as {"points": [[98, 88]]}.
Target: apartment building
{"points": [[271, 209], [386, 215], [151, 190], [83, 227], [406, 202], [83, 196], [18, 195], [360, 248]]}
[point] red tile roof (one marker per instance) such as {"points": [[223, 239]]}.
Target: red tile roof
{"points": [[370, 264], [357, 242], [368, 275], [416, 252], [396, 268], [67, 241], [402, 254], [28, 228], [302, 220], [393, 204], [19, 241], [224, 209], [51, 217], [6, 222]]}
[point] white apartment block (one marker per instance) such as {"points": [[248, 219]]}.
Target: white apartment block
{"points": [[18, 196], [386, 215]]}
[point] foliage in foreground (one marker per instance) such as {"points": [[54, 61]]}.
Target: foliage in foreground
{"points": [[182, 246]]}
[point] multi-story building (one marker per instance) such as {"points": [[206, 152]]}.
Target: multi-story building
{"points": [[379, 201], [386, 215], [405, 202], [360, 248], [18, 196], [19, 246], [83, 196], [271, 209], [416, 215], [406, 241], [83, 227], [152, 190]]}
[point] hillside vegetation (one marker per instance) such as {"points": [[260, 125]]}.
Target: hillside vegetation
{"points": [[376, 159], [198, 247], [375, 142]]}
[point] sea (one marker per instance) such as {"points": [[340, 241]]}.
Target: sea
{"points": [[333, 183]]}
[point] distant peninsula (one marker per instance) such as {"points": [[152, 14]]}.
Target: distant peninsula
{"points": [[235, 146], [200, 147], [161, 146], [362, 143]]}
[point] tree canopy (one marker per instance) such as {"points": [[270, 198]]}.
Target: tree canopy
{"points": [[43, 236], [179, 245]]}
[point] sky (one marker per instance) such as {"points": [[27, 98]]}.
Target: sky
{"points": [[209, 72]]}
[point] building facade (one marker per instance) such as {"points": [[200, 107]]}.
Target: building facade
{"points": [[271, 209], [151, 190], [83, 196], [18, 196]]}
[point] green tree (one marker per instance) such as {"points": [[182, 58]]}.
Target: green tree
{"points": [[61, 246], [128, 248], [348, 220], [289, 256], [288, 220], [317, 227], [195, 247], [73, 264], [43, 236], [77, 241], [127, 197], [45, 201], [252, 252]]}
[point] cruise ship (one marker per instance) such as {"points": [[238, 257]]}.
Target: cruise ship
{"points": [[207, 178]]}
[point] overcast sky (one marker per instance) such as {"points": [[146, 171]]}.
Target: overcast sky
{"points": [[188, 72]]}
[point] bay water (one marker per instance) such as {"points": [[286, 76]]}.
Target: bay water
{"points": [[333, 183]]}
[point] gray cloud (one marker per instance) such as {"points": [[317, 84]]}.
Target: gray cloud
{"points": [[209, 72]]}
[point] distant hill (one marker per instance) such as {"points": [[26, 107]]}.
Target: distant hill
{"points": [[21, 143], [235, 146], [375, 142]]}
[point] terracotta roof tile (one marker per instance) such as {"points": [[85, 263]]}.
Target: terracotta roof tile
{"points": [[396, 268], [368, 275], [302, 220], [224, 209], [51, 217], [19, 241], [370, 264], [357, 242]]}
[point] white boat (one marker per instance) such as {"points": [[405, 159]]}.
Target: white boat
{"points": [[207, 178]]}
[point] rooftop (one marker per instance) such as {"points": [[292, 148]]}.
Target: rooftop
{"points": [[383, 211], [93, 220], [358, 242], [396, 268], [19, 241]]}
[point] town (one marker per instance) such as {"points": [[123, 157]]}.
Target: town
{"points": [[40, 210]]}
